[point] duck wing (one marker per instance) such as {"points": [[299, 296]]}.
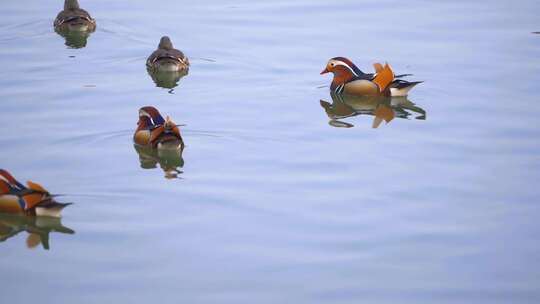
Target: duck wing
{"points": [[384, 77], [161, 54], [68, 15]]}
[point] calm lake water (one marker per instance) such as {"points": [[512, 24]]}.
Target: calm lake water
{"points": [[278, 201]]}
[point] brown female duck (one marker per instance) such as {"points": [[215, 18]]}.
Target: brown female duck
{"points": [[74, 19], [166, 58]]}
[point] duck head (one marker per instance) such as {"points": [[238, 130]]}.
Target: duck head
{"points": [[343, 70], [71, 5], [151, 114], [165, 43]]}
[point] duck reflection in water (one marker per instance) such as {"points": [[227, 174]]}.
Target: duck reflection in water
{"points": [[382, 108], [74, 24], [167, 65], [37, 227], [170, 161], [158, 140], [166, 79]]}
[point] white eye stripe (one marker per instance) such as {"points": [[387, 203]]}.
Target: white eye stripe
{"points": [[4, 179], [338, 62], [144, 113]]}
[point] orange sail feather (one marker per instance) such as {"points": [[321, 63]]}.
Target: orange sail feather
{"points": [[384, 78]]}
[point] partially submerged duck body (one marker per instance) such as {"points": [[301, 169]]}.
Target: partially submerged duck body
{"points": [[74, 24], [167, 59], [32, 199], [156, 132], [349, 79], [74, 19]]}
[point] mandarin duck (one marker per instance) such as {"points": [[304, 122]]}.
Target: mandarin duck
{"points": [[74, 19], [37, 227], [31, 199], [166, 58], [156, 132], [349, 79], [382, 108]]}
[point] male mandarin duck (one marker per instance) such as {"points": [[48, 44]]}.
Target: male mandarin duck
{"points": [[154, 131], [30, 200], [349, 79], [74, 19], [167, 58]]}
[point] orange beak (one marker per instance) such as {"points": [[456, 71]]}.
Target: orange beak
{"points": [[325, 71]]}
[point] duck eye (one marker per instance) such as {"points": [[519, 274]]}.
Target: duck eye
{"points": [[332, 64]]}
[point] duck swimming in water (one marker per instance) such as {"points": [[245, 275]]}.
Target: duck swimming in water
{"points": [[74, 24], [31, 199], [74, 19], [156, 132], [349, 79], [166, 58]]}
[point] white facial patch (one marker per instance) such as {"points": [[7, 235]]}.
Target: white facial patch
{"points": [[339, 62], [4, 179], [144, 113]]}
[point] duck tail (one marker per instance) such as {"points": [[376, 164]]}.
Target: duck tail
{"points": [[400, 88], [403, 75]]}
